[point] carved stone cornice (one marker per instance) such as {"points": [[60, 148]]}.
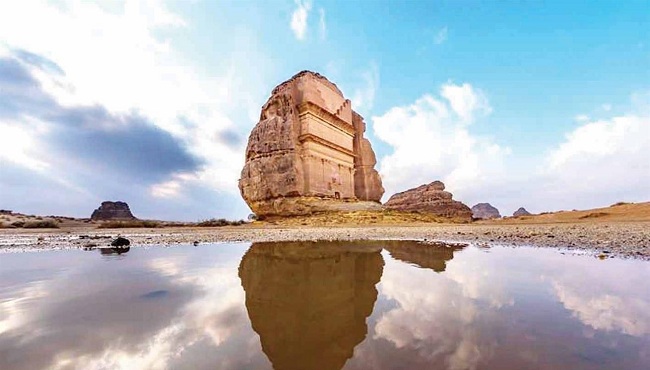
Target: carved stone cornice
{"points": [[315, 139], [311, 108]]}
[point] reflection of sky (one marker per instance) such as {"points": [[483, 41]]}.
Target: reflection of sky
{"points": [[183, 308], [510, 309], [106, 319]]}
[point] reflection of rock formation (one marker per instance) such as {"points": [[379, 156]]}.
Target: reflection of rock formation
{"points": [[118, 250], [309, 301], [431, 256]]}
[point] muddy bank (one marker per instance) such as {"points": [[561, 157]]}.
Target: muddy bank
{"points": [[618, 239]]}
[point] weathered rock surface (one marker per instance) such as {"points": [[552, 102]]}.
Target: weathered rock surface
{"points": [[307, 153], [430, 198], [112, 211], [485, 211], [521, 212]]}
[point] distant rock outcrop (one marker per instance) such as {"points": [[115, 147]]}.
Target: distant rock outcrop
{"points": [[430, 198], [308, 153], [485, 211], [521, 212], [112, 211]]}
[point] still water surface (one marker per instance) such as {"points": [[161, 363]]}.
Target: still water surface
{"points": [[374, 305]]}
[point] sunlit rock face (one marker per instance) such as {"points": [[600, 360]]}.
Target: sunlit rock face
{"points": [[431, 256], [309, 302], [307, 152], [430, 198]]}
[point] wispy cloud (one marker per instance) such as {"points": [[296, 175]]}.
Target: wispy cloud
{"points": [[581, 118], [322, 24], [299, 19], [441, 36], [364, 97]]}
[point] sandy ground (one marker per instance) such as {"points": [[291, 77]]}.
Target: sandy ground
{"points": [[604, 239]]}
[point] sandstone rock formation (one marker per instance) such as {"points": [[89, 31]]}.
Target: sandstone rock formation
{"points": [[521, 212], [112, 211], [485, 211], [308, 152], [430, 198], [309, 302]]}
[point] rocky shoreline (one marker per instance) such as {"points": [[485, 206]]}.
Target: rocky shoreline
{"points": [[615, 239]]}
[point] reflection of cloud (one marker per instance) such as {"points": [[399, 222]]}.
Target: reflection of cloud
{"points": [[605, 310], [12, 311], [202, 312], [435, 317]]}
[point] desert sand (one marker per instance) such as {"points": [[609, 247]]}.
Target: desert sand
{"points": [[616, 231]]}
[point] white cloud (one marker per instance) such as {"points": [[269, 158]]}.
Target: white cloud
{"points": [[299, 19], [364, 96], [174, 187], [466, 101], [599, 163], [17, 143], [581, 118], [441, 36], [113, 56], [431, 140], [322, 25]]}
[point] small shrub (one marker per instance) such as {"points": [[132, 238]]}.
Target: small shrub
{"points": [[41, 224], [128, 224], [594, 215], [619, 204], [219, 222], [18, 223]]}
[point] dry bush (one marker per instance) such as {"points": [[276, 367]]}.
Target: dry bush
{"points": [[594, 215], [128, 224], [219, 222], [620, 204], [41, 224]]}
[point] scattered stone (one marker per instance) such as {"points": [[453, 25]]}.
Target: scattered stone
{"points": [[120, 242], [430, 198], [485, 211], [195, 243], [112, 211], [521, 212], [89, 246], [308, 153]]}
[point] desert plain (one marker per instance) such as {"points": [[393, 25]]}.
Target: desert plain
{"points": [[617, 231]]}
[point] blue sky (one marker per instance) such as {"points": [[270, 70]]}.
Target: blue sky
{"points": [[544, 105]]}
